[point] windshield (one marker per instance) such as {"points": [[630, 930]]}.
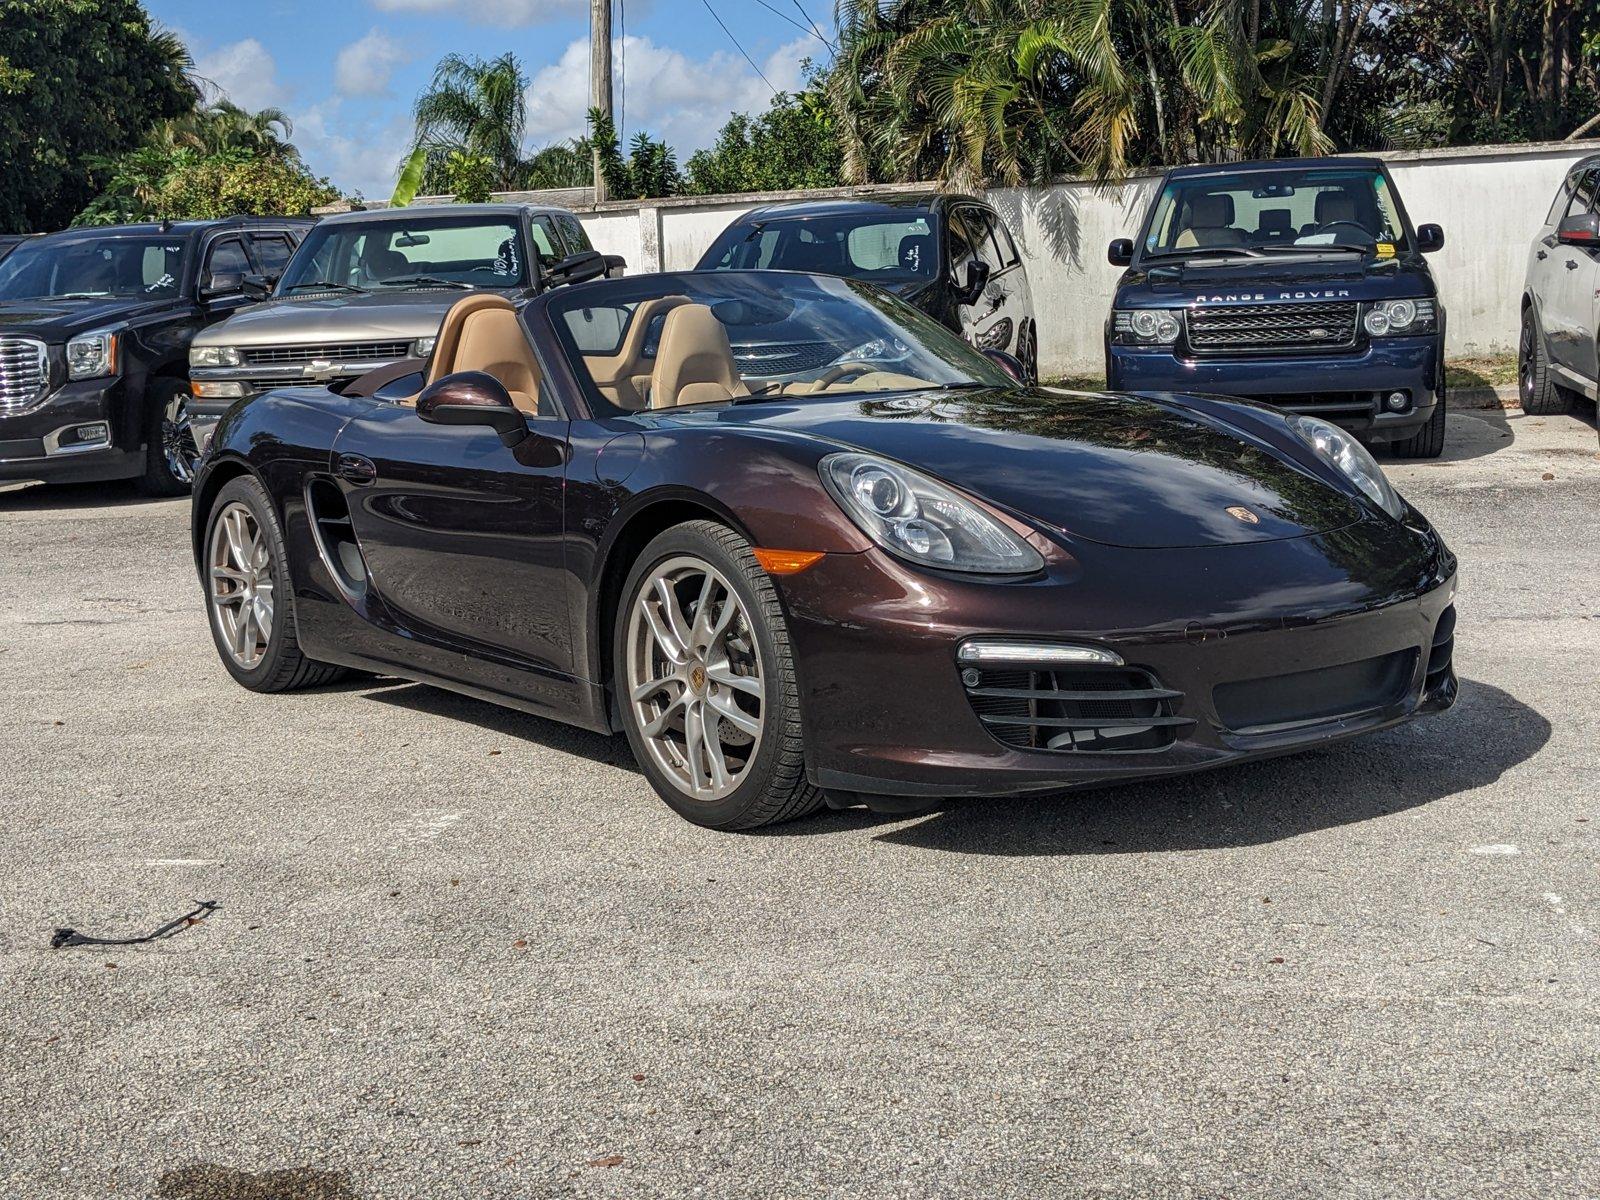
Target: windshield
{"points": [[441, 251], [1268, 211], [879, 249], [97, 266], [659, 341]]}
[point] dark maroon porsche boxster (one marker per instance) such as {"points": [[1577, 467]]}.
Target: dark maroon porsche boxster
{"points": [[805, 546]]}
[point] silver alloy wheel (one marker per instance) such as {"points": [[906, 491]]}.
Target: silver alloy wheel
{"points": [[695, 678], [177, 440], [240, 567]]}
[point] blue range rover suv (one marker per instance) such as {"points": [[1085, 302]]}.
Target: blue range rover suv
{"points": [[1298, 283]]}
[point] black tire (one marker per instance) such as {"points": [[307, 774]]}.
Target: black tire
{"points": [[1428, 441], [160, 477], [774, 787], [1541, 395], [282, 667]]}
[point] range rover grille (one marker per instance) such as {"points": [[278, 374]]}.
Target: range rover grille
{"points": [[24, 373], [783, 358], [1084, 710], [1276, 328], [339, 352]]}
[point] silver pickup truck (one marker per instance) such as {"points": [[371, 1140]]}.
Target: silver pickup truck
{"points": [[367, 289]]}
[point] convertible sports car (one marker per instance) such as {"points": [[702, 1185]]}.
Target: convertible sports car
{"points": [[853, 562]]}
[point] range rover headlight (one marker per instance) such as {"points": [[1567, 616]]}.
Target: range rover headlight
{"points": [[214, 356], [1145, 326], [92, 355], [1386, 317], [921, 520], [1348, 456]]}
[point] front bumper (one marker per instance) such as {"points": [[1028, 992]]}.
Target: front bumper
{"points": [[205, 411], [1194, 620], [80, 432], [1348, 388]]}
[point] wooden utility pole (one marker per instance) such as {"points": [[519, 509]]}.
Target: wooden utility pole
{"points": [[600, 76]]}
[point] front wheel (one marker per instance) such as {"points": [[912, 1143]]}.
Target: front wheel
{"points": [[170, 451], [1541, 396], [705, 679]]}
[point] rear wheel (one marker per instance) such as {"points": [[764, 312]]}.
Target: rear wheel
{"points": [[1541, 396], [250, 596], [170, 452], [706, 683], [1428, 441]]}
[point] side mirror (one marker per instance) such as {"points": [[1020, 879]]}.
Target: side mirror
{"points": [[473, 398], [577, 268], [1120, 252], [1009, 363], [258, 287], [218, 287], [977, 279], [1430, 238], [1581, 230]]}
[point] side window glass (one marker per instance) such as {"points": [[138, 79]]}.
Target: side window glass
{"points": [[1558, 206], [1008, 248], [545, 243], [1583, 196], [227, 257], [272, 252], [981, 225], [960, 243], [572, 229]]}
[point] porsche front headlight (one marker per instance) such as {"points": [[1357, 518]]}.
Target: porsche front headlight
{"points": [[921, 520], [1350, 458]]}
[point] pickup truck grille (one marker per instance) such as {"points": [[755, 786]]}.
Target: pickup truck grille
{"points": [[339, 352], [1273, 328], [24, 373]]}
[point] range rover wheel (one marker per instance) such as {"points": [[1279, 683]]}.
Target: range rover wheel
{"points": [[1541, 395], [249, 595], [1428, 441], [706, 683], [170, 452]]}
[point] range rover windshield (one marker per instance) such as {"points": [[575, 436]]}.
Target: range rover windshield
{"points": [[1304, 210], [668, 341], [93, 266], [451, 252]]}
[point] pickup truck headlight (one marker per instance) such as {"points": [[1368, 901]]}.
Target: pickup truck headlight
{"points": [[92, 355], [214, 356], [921, 520], [1350, 458], [1386, 317], [424, 347], [1145, 326]]}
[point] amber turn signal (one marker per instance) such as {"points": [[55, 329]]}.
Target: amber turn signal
{"points": [[787, 562]]}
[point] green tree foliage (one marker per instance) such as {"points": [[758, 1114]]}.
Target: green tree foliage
{"points": [[476, 108], [649, 169], [469, 177], [568, 164], [80, 80], [791, 145]]}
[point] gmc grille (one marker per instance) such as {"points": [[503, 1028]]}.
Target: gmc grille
{"points": [[1274, 328], [275, 356], [1082, 710], [24, 373]]}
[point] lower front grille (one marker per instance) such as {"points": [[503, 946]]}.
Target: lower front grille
{"points": [[24, 373], [1274, 328], [1080, 710], [1343, 404], [337, 352], [1312, 697]]}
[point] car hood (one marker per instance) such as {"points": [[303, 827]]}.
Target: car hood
{"points": [[1124, 470], [1286, 279], [328, 318], [58, 320]]}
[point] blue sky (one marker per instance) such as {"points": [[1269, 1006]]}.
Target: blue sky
{"points": [[347, 71]]}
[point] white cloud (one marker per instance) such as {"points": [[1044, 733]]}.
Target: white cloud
{"points": [[508, 14], [365, 66], [244, 72], [356, 155], [681, 99]]}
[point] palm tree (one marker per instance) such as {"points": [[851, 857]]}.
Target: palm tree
{"points": [[475, 108], [222, 127], [568, 164]]}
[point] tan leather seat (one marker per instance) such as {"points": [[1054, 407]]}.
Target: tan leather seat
{"points": [[694, 363], [481, 333], [1210, 223]]}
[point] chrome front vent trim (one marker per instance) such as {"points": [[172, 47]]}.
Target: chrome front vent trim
{"points": [[24, 373], [337, 352]]}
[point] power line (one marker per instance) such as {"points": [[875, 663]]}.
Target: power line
{"points": [[815, 28], [783, 16], [740, 48]]}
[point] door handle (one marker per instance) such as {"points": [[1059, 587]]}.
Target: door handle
{"points": [[357, 469]]}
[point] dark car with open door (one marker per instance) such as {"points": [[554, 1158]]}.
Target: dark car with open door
{"points": [[950, 255]]}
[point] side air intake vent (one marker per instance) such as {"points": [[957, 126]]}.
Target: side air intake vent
{"points": [[1079, 710]]}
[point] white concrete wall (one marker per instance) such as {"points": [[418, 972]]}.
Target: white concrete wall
{"points": [[1490, 201]]}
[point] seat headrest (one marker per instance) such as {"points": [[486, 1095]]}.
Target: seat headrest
{"points": [[1276, 220], [492, 341], [444, 351], [1335, 206], [381, 262], [694, 362], [919, 253], [1211, 212]]}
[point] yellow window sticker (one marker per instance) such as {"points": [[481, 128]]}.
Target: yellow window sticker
{"points": [[1385, 249]]}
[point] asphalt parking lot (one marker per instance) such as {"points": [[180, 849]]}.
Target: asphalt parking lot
{"points": [[465, 953]]}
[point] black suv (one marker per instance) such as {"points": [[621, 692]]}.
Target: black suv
{"points": [[95, 326], [1559, 353], [1294, 282], [951, 256]]}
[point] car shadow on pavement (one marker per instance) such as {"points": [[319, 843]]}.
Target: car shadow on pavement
{"points": [[40, 497], [208, 1181], [1486, 734]]}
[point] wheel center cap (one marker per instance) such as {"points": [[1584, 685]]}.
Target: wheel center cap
{"points": [[697, 678]]}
